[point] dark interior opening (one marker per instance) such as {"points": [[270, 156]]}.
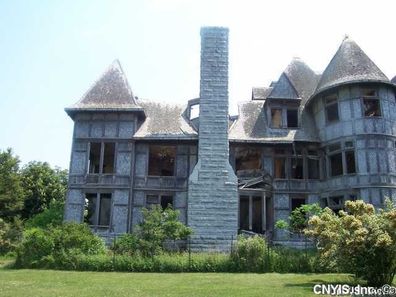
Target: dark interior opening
{"points": [[94, 157], [162, 160], [292, 118], [108, 158], [336, 164]]}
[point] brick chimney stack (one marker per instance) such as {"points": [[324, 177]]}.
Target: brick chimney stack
{"points": [[213, 193]]}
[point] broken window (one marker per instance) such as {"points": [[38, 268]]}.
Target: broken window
{"points": [[247, 159], [279, 167], [336, 164], [350, 161], [276, 118], [296, 202], [297, 170], [244, 213], [97, 209], [162, 160], [194, 111], [371, 107], [163, 200], [336, 202], [96, 158], [292, 118], [108, 158], [331, 107], [313, 167], [341, 158]]}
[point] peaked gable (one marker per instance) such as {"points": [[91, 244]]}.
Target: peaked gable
{"points": [[283, 89], [350, 64]]}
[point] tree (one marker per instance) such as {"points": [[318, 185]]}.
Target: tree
{"points": [[298, 219], [42, 185], [11, 191], [158, 226], [359, 240]]}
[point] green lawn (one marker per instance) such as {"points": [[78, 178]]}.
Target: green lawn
{"points": [[27, 282]]}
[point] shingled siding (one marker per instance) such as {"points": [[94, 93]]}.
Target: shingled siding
{"points": [[101, 127], [374, 143], [212, 192]]}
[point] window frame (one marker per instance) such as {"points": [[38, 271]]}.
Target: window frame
{"points": [[281, 117], [159, 199], [297, 118], [174, 161], [327, 104], [102, 157], [344, 148], [97, 210]]}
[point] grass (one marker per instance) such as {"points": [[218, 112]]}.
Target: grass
{"points": [[27, 282]]}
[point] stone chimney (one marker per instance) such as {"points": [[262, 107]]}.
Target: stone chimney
{"points": [[212, 192]]}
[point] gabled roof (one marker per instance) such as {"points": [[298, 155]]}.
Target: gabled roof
{"points": [[164, 121], [110, 92], [350, 64], [284, 89], [260, 93], [297, 81], [252, 126]]}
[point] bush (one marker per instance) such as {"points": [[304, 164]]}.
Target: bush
{"points": [[57, 247], [157, 227], [10, 235], [52, 216], [249, 254], [126, 244], [358, 240]]}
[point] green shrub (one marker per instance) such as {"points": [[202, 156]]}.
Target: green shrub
{"points": [[157, 227], [126, 244], [359, 240], [50, 217], [249, 253], [10, 235], [57, 247]]}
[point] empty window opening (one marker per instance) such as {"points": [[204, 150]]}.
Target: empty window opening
{"points": [[292, 118], [336, 202], [166, 201], [331, 107], [94, 157], [162, 160], [297, 170], [313, 168], [163, 200], [296, 202], [279, 167], [101, 157], [247, 159], [244, 213], [251, 213], [276, 118], [194, 111], [97, 209], [350, 161], [108, 158], [257, 213], [336, 164], [371, 107]]}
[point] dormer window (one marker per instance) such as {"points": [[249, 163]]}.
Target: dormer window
{"points": [[194, 111], [292, 118], [331, 108], [276, 118]]}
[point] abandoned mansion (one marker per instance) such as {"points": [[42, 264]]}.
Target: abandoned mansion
{"points": [[305, 138]]}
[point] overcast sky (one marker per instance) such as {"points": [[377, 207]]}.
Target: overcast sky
{"points": [[52, 51]]}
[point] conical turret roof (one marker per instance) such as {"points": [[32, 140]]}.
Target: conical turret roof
{"points": [[110, 92], [350, 64]]}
